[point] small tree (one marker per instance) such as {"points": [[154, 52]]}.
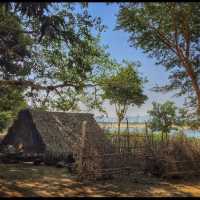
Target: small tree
{"points": [[163, 116], [124, 89], [182, 117], [187, 118]]}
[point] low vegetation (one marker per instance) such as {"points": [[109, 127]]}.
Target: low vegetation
{"points": [[174, 156]]}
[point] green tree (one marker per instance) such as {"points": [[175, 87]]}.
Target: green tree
{"points": [[124, 89], [15, 46], [162, 117], [187, 118], [61, 51], [11, 101], [182, 117], [58, 35], [72, 80], [170, 33]]}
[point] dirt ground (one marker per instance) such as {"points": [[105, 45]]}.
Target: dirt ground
{"points": [[26, 180]]}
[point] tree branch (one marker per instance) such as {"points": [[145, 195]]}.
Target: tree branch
{"points": [[37, 86]]}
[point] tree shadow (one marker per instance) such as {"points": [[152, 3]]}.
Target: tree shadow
{"points": [[12, 190], [26, 180]]}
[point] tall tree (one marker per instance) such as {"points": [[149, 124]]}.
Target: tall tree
{"points": [[169, 32], [124, 89], [57, 50]]}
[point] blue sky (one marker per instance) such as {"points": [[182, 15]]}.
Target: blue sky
{"points": [[119, 49]]}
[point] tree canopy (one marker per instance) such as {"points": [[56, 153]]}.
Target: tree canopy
{"points": [[51, 52], [170, 33], [124, 88], [162, 116]]}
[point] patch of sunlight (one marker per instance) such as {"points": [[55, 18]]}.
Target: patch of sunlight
{"points": [[194, 191], [159, 192]]}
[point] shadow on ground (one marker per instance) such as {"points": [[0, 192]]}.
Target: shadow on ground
{"points": [[25, 180]]}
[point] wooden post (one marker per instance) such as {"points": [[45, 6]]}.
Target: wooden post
{"points": [[146, 133], [128, 135], [82, 146]]}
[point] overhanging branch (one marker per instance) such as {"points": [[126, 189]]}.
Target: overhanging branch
{"points": [[37, 86]]}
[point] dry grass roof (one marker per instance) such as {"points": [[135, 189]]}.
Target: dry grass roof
{"points": [[62, 132]]}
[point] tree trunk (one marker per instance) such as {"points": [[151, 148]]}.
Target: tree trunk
{"points": [[162, 136], [118, 131], [184, 57], [195, 84], [119, 125], [166, 138]]}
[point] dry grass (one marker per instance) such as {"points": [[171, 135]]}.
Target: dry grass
{"points": [[168, 156], [174, 155], [25, 180]]}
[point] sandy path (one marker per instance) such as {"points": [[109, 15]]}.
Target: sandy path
{"points": [[33, 181]]}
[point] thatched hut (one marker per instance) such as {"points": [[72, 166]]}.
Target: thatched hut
{"points": [[56, 135]]}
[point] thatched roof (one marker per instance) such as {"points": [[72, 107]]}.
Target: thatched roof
{"points": [[61, 132]]}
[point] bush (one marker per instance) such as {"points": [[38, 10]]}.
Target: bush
{"points": [[5, 119]]}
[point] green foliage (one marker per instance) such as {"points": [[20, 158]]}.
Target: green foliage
{"points": [[5, 118], [68, 101], [62, 57], [187, 118], [190, 119], [11, 102], [11, 99], [123, 89], [182, 117], [163, 116], [168, 32], [15, 46], [74, 76]]}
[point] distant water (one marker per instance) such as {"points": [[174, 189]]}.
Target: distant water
{"points": [[187, 132], [192, 133], [131, 130], [141, 119], [136, 119]]}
